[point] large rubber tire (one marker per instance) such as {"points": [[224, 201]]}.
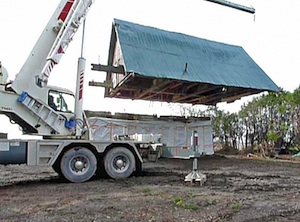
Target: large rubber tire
{"points": [[119, 163], [78, 164]]}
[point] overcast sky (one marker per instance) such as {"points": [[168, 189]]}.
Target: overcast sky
{"points": [[270, 37]]}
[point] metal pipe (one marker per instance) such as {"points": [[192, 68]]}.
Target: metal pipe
{"points": [[234, 5]]}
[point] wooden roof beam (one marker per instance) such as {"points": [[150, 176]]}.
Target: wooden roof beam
{"points": [[149, 90], [197, 93], [156, 89]]}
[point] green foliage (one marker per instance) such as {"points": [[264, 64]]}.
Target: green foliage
{"points": [[272, 136], [295, 97], [147, 192], [236, 206], [272, 119], [294, 150], [179, 201]]}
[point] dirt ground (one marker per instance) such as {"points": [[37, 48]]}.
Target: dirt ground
{"points": [[237, 189]]}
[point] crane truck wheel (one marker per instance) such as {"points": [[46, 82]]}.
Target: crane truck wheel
{"points": [[119, 163], [78, 164]]}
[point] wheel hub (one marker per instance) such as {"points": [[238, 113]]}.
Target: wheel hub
{"points": [[120, 163], [79, 165]]}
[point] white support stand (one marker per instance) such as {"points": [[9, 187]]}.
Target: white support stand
{"points": [[195, 175]]}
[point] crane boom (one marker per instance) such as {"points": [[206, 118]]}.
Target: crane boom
{"points": [[51, 45], [234, 5], [68, 23]]}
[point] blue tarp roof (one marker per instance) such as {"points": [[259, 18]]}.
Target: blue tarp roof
{"points": [[157, 53]]}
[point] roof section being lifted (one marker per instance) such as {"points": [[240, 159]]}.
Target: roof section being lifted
{"points": [[152, 64]]}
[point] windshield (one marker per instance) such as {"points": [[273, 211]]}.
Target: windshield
{"points": [[61, 102]]}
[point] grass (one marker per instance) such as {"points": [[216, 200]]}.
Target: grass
{"points": [[179, 201], [236, 206], [147, 192]]}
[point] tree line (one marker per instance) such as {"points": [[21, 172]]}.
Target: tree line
{"points": [[271, 120]]}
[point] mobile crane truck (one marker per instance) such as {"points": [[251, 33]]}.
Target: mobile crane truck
{"points": [[66, 145], [29, 102]]}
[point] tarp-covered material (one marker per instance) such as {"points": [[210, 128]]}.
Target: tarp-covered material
{"points": [[176, 135], [163, 65]]}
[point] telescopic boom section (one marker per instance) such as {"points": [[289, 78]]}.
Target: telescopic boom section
{"points": [[234, 5], [52, 44], [68, 23]]}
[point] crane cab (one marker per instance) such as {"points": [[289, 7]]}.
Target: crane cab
{"points": [[61, 100]]}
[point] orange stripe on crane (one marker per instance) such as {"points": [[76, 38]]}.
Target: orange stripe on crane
{"points": [[64, 13]]}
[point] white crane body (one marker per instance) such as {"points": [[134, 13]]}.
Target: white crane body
{"points": [[36, 116]]}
